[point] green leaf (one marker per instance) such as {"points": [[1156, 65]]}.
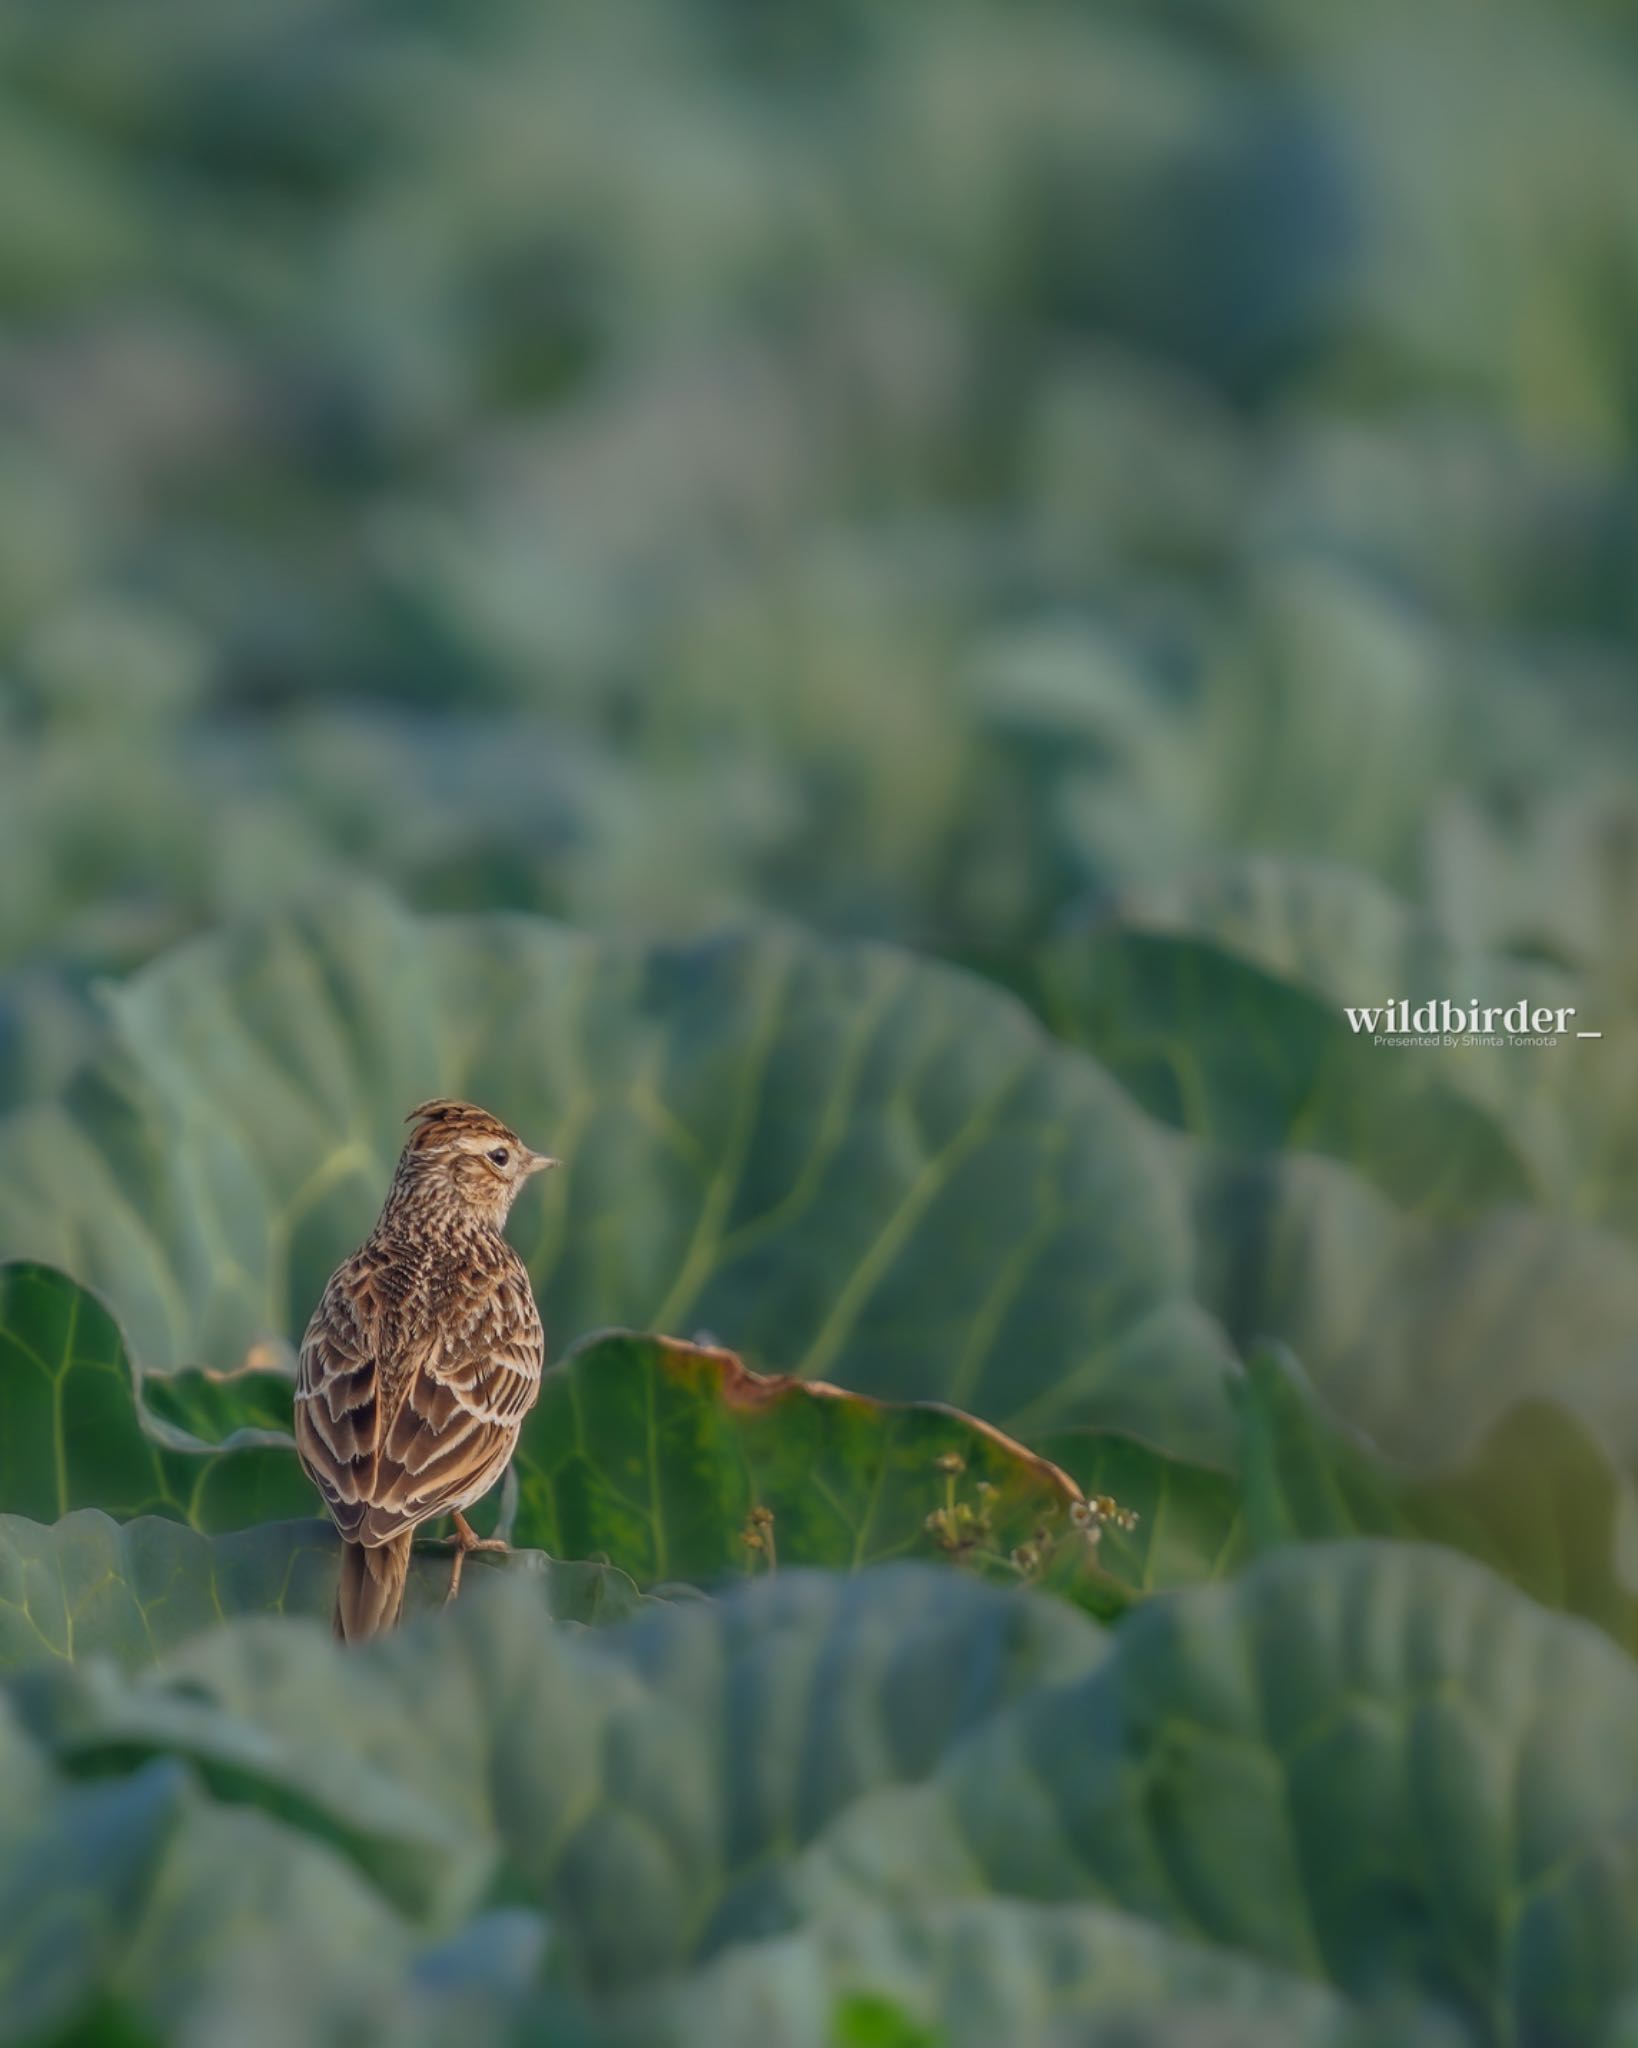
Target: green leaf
{"points": [[1369, 1766], [1222, 996], [1412, 1223], [72, 1434], [47, 1025], [138, 1911], [212, 1411], [88, 1586], [666, 1457], [977, 1972], [841, 1162], [249, 1922], [1372, 1764], [641, 1783], [864, 2020], [70, 1888], [1560, 875], [1419, 1332], [1539, 1500], [1218, 1047]]}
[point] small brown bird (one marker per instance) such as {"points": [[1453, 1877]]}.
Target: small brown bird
{"points": [[422, 1359]]}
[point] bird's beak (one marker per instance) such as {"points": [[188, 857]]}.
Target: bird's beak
{"points": [[538, 1163]]}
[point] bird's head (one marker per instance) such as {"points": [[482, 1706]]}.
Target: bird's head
{"points": [[462, 1162]]}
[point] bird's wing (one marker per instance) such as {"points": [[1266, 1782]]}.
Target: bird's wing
{"points": [[337, 1402], [392, 1448]]}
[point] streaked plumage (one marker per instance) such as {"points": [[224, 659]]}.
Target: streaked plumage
{"points": [[422, 1358]]}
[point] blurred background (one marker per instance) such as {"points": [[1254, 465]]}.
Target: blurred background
{"points": [[985, 476]]}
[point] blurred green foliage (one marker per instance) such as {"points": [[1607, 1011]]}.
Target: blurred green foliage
{"points": [[916, 467], [1136, 499]]}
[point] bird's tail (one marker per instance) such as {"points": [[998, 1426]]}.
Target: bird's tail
{"points": [[371, 1593]]}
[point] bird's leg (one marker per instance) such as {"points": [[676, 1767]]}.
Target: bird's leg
{"points": [[466, 1538]]}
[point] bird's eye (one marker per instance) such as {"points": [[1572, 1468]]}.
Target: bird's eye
{"points": [[500, 1155]]}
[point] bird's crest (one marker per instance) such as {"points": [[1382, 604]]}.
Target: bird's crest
{"points": [[444, 1116]]}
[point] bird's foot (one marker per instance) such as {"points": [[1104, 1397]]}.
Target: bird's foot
{"points": [[465, 1540]]}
